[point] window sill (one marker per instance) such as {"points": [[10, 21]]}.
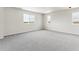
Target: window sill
{"points": [[28, 22]]}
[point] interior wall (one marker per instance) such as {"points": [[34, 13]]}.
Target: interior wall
{"points": [[1, 22], [61, 21], [43, 22], [75, 28], [14, 21]]}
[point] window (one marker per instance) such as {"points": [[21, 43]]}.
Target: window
{"points": [[29, 18], [75, 18], [48, 19]]}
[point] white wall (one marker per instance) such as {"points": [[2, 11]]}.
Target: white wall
{"points": [[14, 21], [61, 21], [1, 22], [75, 28]]}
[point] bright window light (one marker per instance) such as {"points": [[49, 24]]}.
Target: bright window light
{"points": [[29, 18], [48, 19], [75, 18]]}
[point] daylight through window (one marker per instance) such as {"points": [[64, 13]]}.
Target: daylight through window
{"points": [[29, 18]]}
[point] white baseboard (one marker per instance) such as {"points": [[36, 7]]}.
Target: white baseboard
{"points": [[1, 37], [62, 32], [22, 32]]}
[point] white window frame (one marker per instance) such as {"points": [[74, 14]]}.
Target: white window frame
{"points": [[75, 18], [48, 19], [28, 18]]}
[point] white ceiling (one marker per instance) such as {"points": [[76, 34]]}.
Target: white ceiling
{"points": [[44, 9]]}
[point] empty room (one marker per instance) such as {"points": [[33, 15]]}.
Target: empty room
{"points": [[39, 29]]}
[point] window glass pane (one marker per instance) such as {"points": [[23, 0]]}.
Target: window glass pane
{"points": [[32, 18], [75, 15], [29, 18], [26, 18], [75, 18], [48, 19]]}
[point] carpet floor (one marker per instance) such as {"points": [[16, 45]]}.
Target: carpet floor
{"points": [[40, 41]]}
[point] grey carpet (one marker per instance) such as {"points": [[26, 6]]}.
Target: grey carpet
{"points": [[40, 41]]}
